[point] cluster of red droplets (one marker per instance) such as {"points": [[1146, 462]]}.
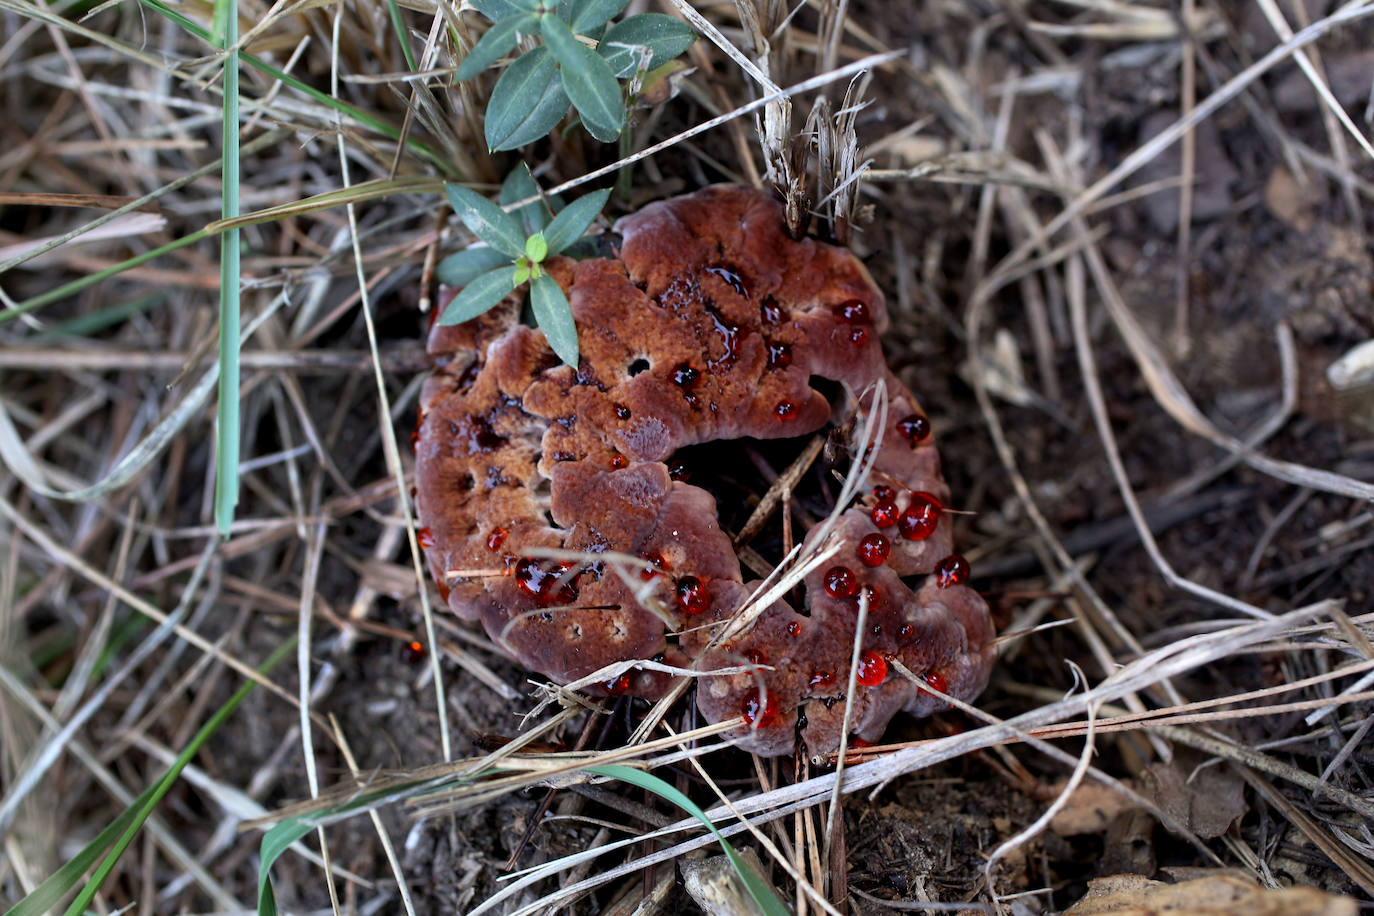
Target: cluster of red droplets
{"points": [[916, 523], [556, 584], [855, 312]]}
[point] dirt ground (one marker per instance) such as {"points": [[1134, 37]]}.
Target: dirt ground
{"points": [[1277, 253]]}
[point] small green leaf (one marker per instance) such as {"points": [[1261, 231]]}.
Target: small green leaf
{"points": [[479, 295], [624, 44], [527, 102], [462, 267], [500, 9], [500, 38], [487, 221], [569, 225], [588, 80], [586, 15], [519, 185], [523, 271], [554, 315], [536, 247]]}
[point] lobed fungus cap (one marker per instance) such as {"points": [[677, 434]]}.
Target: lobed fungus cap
{"points": [[712, 324]]}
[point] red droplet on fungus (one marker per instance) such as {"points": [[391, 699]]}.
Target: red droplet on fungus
{"points": [[870, 592], [951, 571], [904, 631], [619, 462], [937, 681], [755, 657], [413, 652], [914, 429], [874, 549], [529, 577], [691, 595], [794, 628], [759, 712], [785, 410], [921, 518], [618, 685], [872, 668], [622, 412], [654, 566], [858, 337], [821, 680], [855, 311], [884, 494], [496, 539], [885, 514], [840, 582], [425, 538], [685, 376], [779, 355]]}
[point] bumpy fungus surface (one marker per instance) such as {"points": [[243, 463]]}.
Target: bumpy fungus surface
{"points": [[709, 326]]}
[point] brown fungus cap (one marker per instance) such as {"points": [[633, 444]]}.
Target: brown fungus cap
{"points": [[710, 326]]}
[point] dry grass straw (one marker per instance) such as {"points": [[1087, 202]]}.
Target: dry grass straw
{"points": [[106, 315]]}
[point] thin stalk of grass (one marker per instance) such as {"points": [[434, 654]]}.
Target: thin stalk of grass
{"points": [[227, 425]]}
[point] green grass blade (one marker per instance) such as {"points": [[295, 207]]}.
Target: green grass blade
{"points": [[95, 322], [116, 837], [76, 286], [762, 893], [275, 842], [227, 427], [46, 895], [399, 25]]}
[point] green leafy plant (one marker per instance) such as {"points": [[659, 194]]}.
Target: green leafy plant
{"points": [[517, 244], [578, 61]]}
